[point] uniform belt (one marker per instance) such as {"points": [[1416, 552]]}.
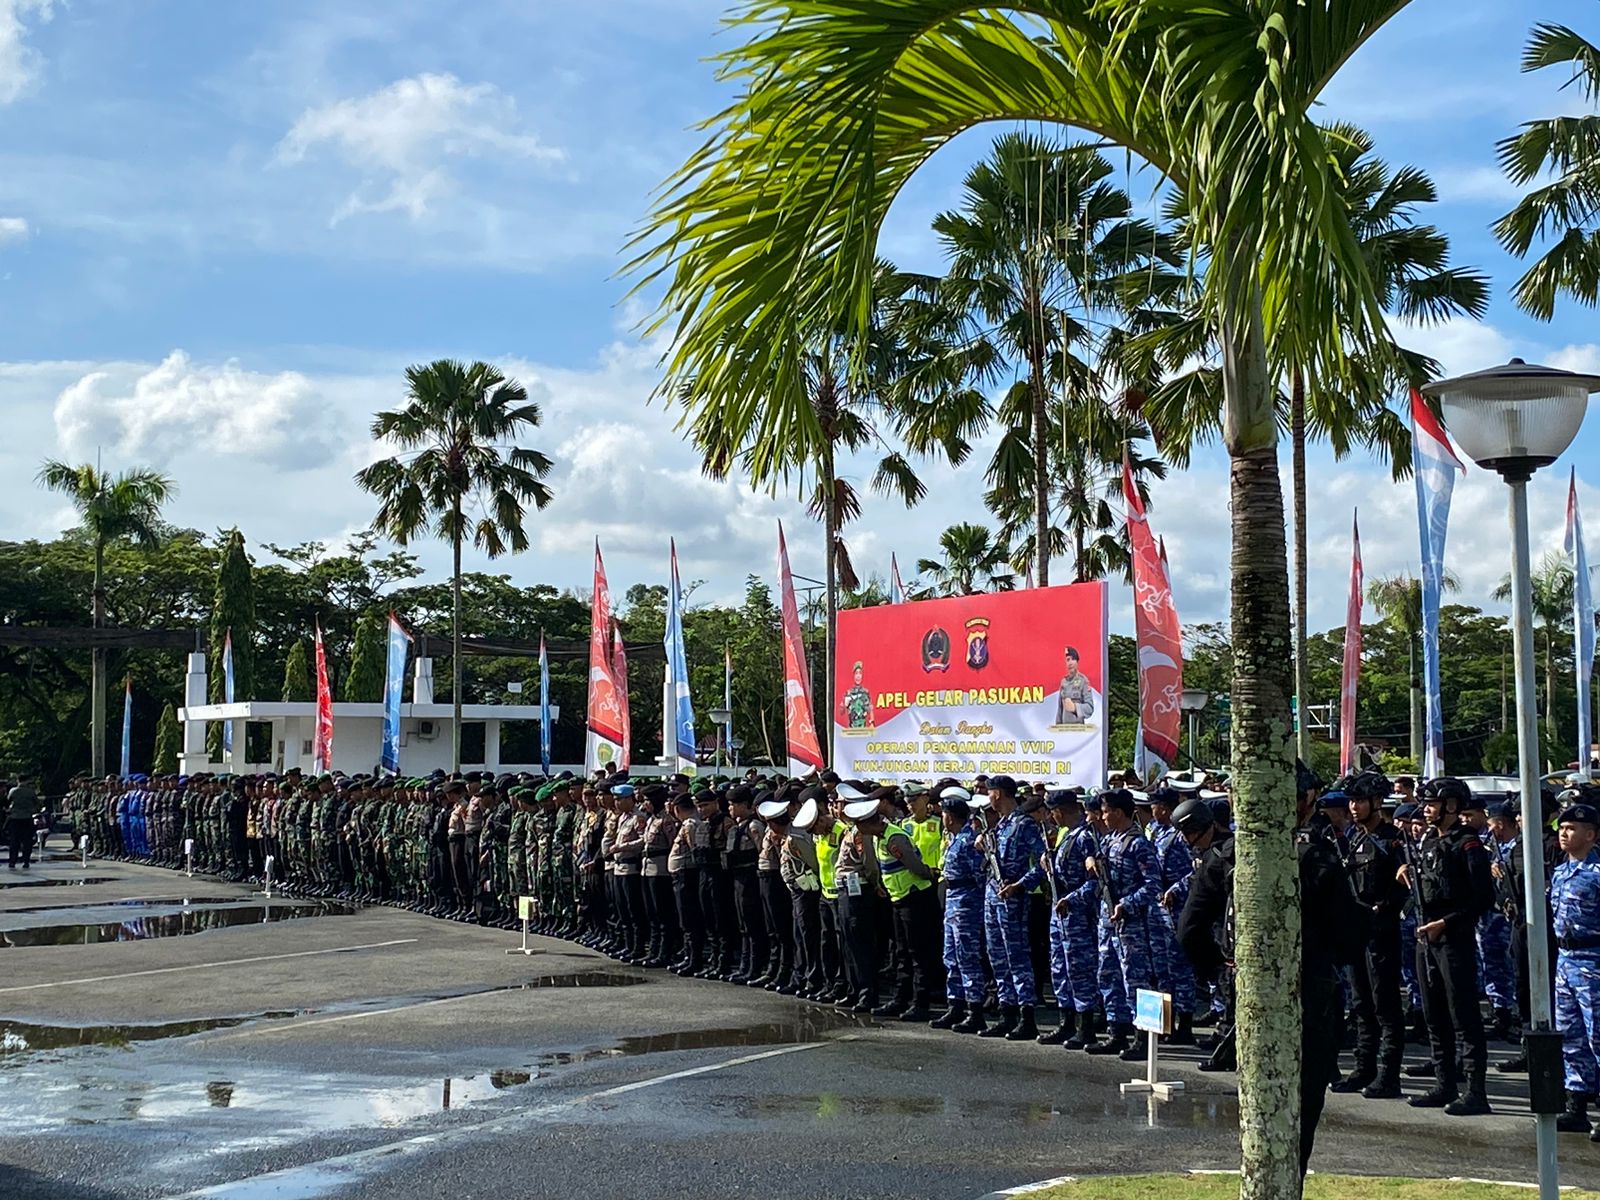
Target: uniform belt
{"points": [[1587, 941]]}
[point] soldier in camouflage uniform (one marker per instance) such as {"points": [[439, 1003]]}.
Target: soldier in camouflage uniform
{"points": [[564, 890]]}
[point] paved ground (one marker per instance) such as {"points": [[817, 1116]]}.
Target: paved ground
{"points": [[382, 1054]]}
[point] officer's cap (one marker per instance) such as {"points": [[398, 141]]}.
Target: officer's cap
{"points": [[1503, 810], [1167, 797], [1092, 803], [1120, 799], [861, 810], [814, 792], [807, 816], [849, 793], [1184, 787], [955, 792], [1141, 799], [1333, 798], [768, 809], [617, 789], [1060, 799], [915, 787], [1579, 813], [1405, 812]]}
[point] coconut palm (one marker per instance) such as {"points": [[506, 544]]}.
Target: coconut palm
{"points": [[1553, 583], [771, 227], [111, 508], [1398, 599], [459, 473], [1562, 211], [971, 561]]}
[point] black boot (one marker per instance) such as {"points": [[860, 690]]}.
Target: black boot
{"points": [[1088, 1026], [1183, 1035], [1385, 1087], [1356, 1081], [1138, 1050], [1006, 1023], [1474, 1103], [1517, 1065], [1025, 1030], [1504, 1028], [972, 1022], [1115, 1044], [953, 1016], [1575, 1117], [1438, 1097], [1061, 1032]]}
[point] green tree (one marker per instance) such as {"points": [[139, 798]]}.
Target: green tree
{"points": [[368, 659], [457, 436], [1553, 584], [232, 610], [297, 686], [772, 226], [111, 508], [970, 561], [1562, 210], [1398, 599], [164, 760]]}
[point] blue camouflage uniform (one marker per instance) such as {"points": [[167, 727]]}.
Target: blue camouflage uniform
{"points": [[1176, 863], [964, 873], [1575, 901], [1135, 882], [1073, 949], [1018, 843], [1496, 976]]}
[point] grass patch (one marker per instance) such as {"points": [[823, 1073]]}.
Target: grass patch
{"points": [[1318, 1187]]}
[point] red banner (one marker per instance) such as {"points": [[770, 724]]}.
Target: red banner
{"points": [[619, 668], [1010, 683], [1159, 638], [322, 744], [608, 711], [1352, 656], [799, 719]]}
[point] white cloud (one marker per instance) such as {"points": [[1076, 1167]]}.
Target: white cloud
{"points": [[19, 62], [12, 229], [181, 409], [400, 136]]}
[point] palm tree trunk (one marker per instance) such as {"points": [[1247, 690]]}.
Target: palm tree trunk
{"points": [[1041, 470], [1302, 674], [97, 669], [1416, 705], [455, 644], [1266, 885], [830, 533]]}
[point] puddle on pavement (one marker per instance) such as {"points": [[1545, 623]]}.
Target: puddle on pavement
{"points": [[139, 902], [175, 924], [76, 881], [25, 1037], [811, 1027], [577, 979]]}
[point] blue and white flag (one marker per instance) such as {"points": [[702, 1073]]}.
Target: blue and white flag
{"points": [[678, 674], [394, 683], [1582, 621], [227, 689], [1434, 464], [127, 728], [544, 707]]}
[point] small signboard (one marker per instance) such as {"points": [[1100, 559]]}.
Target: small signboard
{"points": [[525, 905], [1152, 1011]]}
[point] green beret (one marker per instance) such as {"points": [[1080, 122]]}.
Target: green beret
{"points": [[545, 792], [524, 793]]}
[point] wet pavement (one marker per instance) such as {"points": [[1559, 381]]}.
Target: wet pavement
{"points": [[141, 920], [72, 881]]}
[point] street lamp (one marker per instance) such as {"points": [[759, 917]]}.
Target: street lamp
{"points": [[1513, 420], [1191, 702], [722, 717]]}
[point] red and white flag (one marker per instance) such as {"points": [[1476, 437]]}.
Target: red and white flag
{"points": [[800, 722], [619, 674], [322, 744], [1352, 656], [608, 712], [1160, 642]]}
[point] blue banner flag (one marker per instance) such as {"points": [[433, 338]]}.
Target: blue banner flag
{"points": [[1434, 466], [127, 728], [227, 689], [1582, 622], [678, 673], [544, 707], [394, 684]]}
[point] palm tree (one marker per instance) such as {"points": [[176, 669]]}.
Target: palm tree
{"points": [[459, 473], [973, 561], [1562, 210], [1398, 599], [111, 508], [1042, 251], [1553, 584], [771, 227]]}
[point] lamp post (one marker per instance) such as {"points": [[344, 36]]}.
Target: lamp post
{"points": [[1191, 702], [1513, 420], [722, 717]]}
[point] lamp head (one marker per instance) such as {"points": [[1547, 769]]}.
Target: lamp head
{"points": [[1516, 418]]}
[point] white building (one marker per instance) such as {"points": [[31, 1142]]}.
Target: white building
{"points": [[425, 731]]}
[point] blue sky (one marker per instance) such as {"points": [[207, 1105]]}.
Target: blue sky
{"points": [[225, 229]]}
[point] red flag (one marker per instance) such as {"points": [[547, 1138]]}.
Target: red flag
{"points": [[1352, 656], [608, 713], [619, 676], [1159, 637], [800, 722], [322, 745], [1166, 567]]}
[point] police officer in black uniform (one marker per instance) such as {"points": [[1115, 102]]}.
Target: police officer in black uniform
{"points": [[1374, 859], [1455, 889]]}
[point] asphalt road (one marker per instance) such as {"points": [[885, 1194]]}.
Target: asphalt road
{"points": [[231, 1052]]}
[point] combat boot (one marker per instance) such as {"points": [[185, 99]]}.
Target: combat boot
{"points": [[1575, 1117], [1384, 1087], [1087, 1029], [1006, 1023], [1473, 1104], [1439, 1097], [972, 1022], [1183, 1035], [1356, 1081], [953, 1016], [1025, 1030], [917, 1014], [1505, 1028], [1137, 1050], [1516, 1065], [1115, 1044], [1064, 1030]]}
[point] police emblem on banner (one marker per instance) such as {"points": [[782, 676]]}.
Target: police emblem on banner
{"points": [[978, 643], [936, 650]]}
